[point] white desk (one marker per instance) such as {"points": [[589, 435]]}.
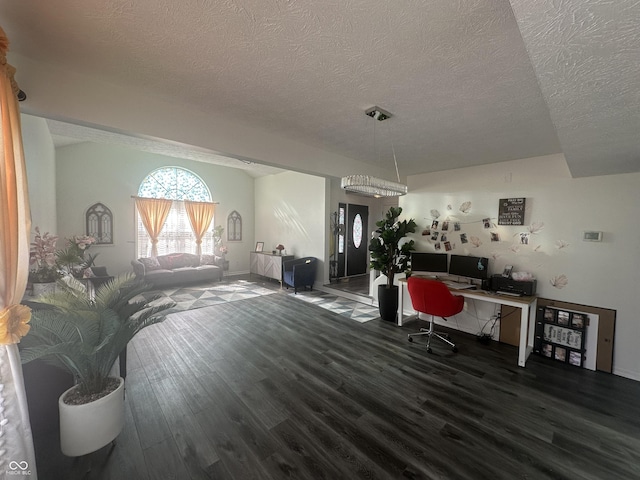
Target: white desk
{"points": [[527, 307]]}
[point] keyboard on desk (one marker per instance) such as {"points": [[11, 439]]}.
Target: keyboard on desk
{"points": [[458, 285]]}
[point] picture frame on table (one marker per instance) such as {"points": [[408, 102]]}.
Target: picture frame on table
{"points": [[259, 246]]}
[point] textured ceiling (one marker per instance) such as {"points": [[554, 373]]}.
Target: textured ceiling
{"points": [[65, 134], [468, 81]]}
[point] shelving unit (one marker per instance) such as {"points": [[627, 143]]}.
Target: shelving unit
{"points": [[561, 334], [268, 264]]}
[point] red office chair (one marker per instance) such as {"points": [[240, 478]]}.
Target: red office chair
{"points": [[433, 298]]}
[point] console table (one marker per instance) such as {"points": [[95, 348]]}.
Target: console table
{"points": [[527, 306], [268, 264]]}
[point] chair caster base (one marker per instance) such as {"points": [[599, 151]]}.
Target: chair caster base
{"points": [[410, 339], [429, 350], [455, 349]]}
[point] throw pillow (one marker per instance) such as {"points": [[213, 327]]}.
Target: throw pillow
{"points": [[207, 260], [165, 262], [177, 260], [150, 263], [190, 260]]}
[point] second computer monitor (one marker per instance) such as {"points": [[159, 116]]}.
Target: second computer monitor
{"points": [[427, 263], [470, 267]]}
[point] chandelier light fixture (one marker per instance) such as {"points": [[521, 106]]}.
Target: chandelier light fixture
{"points": [[372, 186]]}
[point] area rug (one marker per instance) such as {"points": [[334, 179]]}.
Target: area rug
{"points": [[208, 294], [360, 312]]}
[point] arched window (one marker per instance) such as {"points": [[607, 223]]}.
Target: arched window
{"points": [[176, 184], [99, 223], [234, 227]]}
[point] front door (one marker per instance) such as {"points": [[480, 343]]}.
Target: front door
{"points": [[357, 239]]}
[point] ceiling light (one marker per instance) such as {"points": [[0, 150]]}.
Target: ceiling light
{"points": [[372, 186]]}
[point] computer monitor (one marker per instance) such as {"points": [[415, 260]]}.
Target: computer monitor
{"points": [[470, 267], [425, 263]]}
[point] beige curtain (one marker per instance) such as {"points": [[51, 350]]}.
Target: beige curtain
{"points": [[153, 212], [200, 217], [16, 442]]}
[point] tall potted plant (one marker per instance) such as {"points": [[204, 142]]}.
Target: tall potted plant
{"points": [[85, 337], [389, 257]]}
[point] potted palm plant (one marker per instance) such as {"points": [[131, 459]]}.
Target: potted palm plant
{"points": [[85, 337], [390, 257]]}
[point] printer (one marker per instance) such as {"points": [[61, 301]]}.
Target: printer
{"points": [[509, 285]]}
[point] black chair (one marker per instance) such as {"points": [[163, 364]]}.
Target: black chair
{"points": [[299, 273], [100, 277]]}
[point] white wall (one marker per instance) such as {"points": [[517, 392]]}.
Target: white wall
{"points": [[88, 173], [605, 274], [290, 208], [40, 160]]}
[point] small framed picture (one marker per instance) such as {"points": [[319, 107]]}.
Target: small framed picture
{"points": [[507, 271], [259, 246], [547, 350], [549, 315], [575, 358], [560, 354], [563, 318], [578, 320]]}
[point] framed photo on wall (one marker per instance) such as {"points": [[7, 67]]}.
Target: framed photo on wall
{"points": [[259, 246]]}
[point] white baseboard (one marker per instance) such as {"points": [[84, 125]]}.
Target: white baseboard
{"points": [[630, 374]]}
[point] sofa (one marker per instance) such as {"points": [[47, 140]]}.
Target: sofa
{"points": [[178, 269], [299, 273]]}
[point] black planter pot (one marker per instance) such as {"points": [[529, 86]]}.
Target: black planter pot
{"points": [[388, 302]]}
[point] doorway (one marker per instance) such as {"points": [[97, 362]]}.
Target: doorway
{"points": [[357, 239]]}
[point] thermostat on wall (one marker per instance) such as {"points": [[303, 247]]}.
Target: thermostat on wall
{"points": [[591, 236]]}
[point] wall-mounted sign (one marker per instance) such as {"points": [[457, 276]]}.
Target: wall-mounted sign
{"points": [[511, 211]]}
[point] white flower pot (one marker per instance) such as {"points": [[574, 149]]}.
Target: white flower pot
{"points": [[89, 427], [43, 288]]}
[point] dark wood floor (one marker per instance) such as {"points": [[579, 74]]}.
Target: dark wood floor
{"points": [[358, 285], [273, 388]]}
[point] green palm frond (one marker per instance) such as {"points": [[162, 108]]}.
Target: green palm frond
{"points": [[86, 337]]}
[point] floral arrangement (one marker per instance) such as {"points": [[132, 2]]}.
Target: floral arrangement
{"points": [[81, 242], [387, 255], [72, 259], [42, 258], [223, 249]]}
